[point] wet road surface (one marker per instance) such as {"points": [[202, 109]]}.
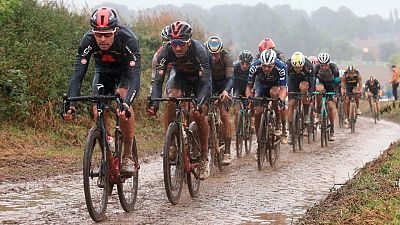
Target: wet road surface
{"points": [[239, 195]]}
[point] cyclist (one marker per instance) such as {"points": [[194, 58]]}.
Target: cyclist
{"points": [[300, 79], [351, 83], [240, 77], [373, 89], [269, 74], [327, 74], [117, 62], [222, 73], [268, 43], [190, 70], [165, 39]]}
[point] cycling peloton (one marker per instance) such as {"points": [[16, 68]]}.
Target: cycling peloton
{"points": [[222, 73]]}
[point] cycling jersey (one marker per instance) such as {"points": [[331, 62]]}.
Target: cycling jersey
{"points": [[121, 63], [351, 82], [222, 72], [294, 79], [372, 87], [329, 77], [240, 78], [192, 69]]}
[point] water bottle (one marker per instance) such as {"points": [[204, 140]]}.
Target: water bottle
{"points": [[111, 145]]}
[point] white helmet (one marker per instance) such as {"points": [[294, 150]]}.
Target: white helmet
{"points": [[324, 58], [268, 57], [298, 59]]}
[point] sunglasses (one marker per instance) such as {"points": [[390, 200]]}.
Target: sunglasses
{"points": [[179, 42], [106, 34], [267, 66]]}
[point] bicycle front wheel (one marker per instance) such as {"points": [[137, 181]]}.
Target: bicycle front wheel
{"points": [[128, 188], [173, 164], [239, 135], [262, 143], [248, 136], [95, 175], [341, 114], [324, 130], [353, 117], [294, 130]]}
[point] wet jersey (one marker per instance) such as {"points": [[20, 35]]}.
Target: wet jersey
{"points": [[328, 75], [372, 87], [240, 78], [189, 66], [123, 55], [351, 80], [275, 78], [307, 74], [222, 70]]}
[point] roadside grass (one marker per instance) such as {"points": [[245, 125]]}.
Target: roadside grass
{"points": [[371, 197]]}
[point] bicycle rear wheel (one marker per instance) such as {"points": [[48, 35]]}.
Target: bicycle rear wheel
{"points": [[262, 142], [239, 135], [95, 175], [193, 179], [128, 188], [173, 164], [248, 135]]}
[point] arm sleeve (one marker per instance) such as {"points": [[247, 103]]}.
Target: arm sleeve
{"points": [[205, 78], [252, 74], [229, 72], [133, 71], [81, 65], [158, 80]]}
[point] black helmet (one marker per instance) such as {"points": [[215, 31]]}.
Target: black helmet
{"points": [[180, 30], [165, 32], [104, 18], [245, 56], [351, 69]]}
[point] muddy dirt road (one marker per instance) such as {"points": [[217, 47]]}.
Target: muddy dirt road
{"points": [[239, 195]]}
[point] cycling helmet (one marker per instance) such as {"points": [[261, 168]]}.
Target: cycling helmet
{"points": [[165, 33], [313, 59], [298, 59], [324, 58], [371, 79], [265, 44], [180, 30], [268, 57], [104, 18], [351, 69], [245, 56], [214, 44]]}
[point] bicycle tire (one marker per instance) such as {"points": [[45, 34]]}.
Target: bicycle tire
{"points": [[173, 187], [94, 148], [239, 135], [294, 131], [341, 114], [262, 143], [248, 137], [221, 148], [128, 187], [211, 148], [193, 180], [375, 112], [273, 143], [353, 117], [299, 128], [324, 130]]}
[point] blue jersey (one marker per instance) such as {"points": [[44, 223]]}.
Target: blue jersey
{"points": [[275, 78]]}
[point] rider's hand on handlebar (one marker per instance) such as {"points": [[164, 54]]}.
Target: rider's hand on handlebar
{"points": [[122, 114], [224, 96], [69, 114]]}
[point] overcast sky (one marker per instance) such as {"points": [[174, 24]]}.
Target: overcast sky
{"points": [[359, 7]]}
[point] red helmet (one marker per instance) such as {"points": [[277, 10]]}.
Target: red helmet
{"points": [[313, 59], [104, 18], [265, 44], [180, 30]]}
